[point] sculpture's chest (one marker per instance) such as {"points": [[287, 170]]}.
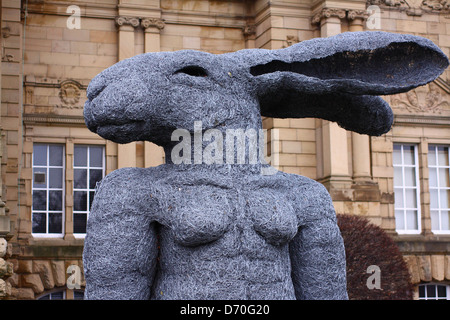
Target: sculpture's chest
{"points": [[203, 212]]}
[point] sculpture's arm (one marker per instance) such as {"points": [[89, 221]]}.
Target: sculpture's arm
{"points": [[120, 249], [317, 252]]}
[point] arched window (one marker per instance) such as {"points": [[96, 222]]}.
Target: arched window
{"points": [[434, 291], [62, 294]]}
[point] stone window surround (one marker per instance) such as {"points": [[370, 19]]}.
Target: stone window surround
{"points": [[68, 142], [422, 147]]}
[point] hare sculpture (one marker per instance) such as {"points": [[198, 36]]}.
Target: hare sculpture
{"points": [[215, 227]]}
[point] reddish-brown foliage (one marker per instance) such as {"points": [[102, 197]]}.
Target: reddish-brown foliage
{"points": [[366, 245]]}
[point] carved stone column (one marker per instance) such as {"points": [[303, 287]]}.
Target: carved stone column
{"points": [[152, 29], [356, 19], [329, 20], [126, 153], [153, 154], [335, 172], [249, 32], [360, 143]]}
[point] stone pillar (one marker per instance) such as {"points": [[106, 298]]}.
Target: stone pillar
{"points": [[356, 19], [153, 154], [152, 29], [126, 153], [249, 32], [334, 147], [360, 143]]}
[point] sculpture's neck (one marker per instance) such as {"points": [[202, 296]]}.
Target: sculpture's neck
{"points": [[224, 148]]}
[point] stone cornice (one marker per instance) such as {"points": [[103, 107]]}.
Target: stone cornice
{"points": [[423, 120]]}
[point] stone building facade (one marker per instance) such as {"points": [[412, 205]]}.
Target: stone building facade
{"points": [[50, 161]]}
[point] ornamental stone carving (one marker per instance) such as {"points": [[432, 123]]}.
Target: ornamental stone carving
{"points": [[414, 7], [124, 21], [152, 22], [328, 13], [425, 99], [69, 92]]}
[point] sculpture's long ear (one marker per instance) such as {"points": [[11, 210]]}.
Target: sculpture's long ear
{"points": [[338, 78]]}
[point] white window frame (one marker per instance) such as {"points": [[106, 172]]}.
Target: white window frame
{"points": [[438, 188], [87, 189], [47, 189], [425, 285], [403, 188]]}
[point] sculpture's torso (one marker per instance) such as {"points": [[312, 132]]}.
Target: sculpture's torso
{"points": [[221, 236]]}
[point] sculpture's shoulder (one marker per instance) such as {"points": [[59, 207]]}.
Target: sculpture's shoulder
{"points": [[128, 189], [131, 179], [310, 199]]}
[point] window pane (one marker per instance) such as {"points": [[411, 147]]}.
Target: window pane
{"points": [[78, 295], [410, 176], [95, 175], [79, 222], [39, 222], [421, 291], [398, 194], [441, 291], [431, 291], [444, 195], [431, 155], [442, 156], [91, 199], [399, 220], [55, 177], [411, 198], [434, 214], [445, 220], [443, 177], [411, 220], [40, 154], [39, 178], [79, 178], [408, 155], [55, 222], [398, 180], [96, 156], [80, 156], [55, 154], [57, 295], [55, 200], [434, 202], [39, 200], [80, 201], [397, 155], [433, 177]]}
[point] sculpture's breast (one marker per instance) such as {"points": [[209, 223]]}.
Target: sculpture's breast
{"points": [[273, 217], [199, 214]]}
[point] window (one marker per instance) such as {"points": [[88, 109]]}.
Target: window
{"points": [[88, 170], [49, 181], [63, 294], [434, 292], [48, 189], [57, 295], [406, 188], [438, 163]]}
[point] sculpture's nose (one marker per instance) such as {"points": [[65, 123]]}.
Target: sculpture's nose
{"points": [[96, 86]]}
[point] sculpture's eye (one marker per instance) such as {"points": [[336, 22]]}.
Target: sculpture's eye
{"points": [[194, 71]]}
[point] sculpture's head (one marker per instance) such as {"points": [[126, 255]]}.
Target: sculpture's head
{"points": [[337, 78]]}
